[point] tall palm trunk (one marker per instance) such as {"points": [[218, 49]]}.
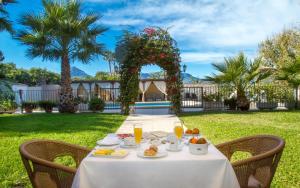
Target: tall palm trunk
{"points": [[109, 62], [66, 95], [242, 101]]}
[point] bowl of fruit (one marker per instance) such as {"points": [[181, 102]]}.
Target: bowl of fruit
{"points": [[192, 132], [198, 146]]}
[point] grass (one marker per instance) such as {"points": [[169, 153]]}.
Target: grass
{"points": [[221, 127], [86, 129], [82, 129]]}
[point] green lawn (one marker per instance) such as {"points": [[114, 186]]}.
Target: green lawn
{"points": [[220, 127], [85, 129], [82, 129]]}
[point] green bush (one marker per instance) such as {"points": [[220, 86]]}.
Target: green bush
{"points": [[212, 97], [47, 105], [6, 92], [7, 105], [96, 104]]}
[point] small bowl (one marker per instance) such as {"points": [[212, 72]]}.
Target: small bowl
{"points": [[198, 149]]}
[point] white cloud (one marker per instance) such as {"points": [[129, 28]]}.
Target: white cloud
{"points": [[209, 57], [198, 57], [219, 23], [219, 27]]}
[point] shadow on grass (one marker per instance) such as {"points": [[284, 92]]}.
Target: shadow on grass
{"points": [[49, 123]]}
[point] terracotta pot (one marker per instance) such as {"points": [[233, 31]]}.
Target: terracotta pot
{"points": [[28, 110], [48, 110]]}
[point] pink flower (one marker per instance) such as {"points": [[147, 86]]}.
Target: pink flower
{"points": [[162, 55], [149, 31]]}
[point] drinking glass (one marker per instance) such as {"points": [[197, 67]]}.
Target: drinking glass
{"points": [[138, 133], [178, 129]]}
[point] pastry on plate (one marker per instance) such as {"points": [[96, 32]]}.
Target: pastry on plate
{"points": [[151, 151]]}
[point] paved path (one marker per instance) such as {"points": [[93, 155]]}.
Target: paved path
{"points": [[149, 123]]}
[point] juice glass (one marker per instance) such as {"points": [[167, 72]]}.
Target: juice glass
{"points": [[178, 130], [138, 133]]}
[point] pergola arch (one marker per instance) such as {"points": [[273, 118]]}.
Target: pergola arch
{"points": [[151, 46]]}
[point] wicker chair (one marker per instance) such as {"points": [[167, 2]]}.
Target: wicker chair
{"points": [[259, 169], [38, 158]]}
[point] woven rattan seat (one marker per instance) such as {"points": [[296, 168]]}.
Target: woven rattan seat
{"points": [[38, 158], [259, 169]]}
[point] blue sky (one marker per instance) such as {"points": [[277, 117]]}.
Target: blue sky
{"points": [[206, 30]]}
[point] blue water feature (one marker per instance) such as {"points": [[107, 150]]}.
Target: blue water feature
{"points": [[141, 105]]}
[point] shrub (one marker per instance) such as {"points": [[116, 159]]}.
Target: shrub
{"points": [[96, 104], [29, 106], [8, 106], [78, 100], [47, 105], [231, 102], [211, 97]]}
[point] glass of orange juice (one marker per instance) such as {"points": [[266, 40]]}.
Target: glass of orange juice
{"points": [[138, 133], [178, 129]]}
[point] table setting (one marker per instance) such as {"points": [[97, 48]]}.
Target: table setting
{"points": [[155, 159]]}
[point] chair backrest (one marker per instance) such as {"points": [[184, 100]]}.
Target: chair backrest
{"points": [[38, 158], [266, 151]]}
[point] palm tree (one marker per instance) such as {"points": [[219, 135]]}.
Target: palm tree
{"points": [[290, 72], [62, 33], [1, 56], [110, 58], [5, 24], [239, 73], [184, 67]]}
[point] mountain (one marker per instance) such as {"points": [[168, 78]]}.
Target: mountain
{"points": [[186, 77], [189, 79], [78, 73], [145, 75]]}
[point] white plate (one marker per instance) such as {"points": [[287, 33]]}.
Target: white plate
{"points": [[111, 144], [123, 145], [112, 156], [159, 154], [179, 148]]}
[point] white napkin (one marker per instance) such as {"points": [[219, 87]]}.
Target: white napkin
{"points": [[110, 139]]}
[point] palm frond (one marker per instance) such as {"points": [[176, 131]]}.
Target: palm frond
{"points": [[5, 25], [60, 30]]}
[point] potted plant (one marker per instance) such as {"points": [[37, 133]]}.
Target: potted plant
{"points": [[212, 101], [29, 106], [47, 106], [267, 97], [8, 106], [231, 103], [96, 104], [77, 101]]}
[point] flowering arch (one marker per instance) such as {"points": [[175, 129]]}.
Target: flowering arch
{"points": [[151, 46]]}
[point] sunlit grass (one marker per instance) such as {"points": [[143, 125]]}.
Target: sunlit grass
{"points": [[221, 127], [82, 129]]}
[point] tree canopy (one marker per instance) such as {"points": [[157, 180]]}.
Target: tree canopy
{"points": [[33, 76]]}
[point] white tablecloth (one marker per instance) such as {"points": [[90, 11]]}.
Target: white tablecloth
{"points": [[177, 170]]}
